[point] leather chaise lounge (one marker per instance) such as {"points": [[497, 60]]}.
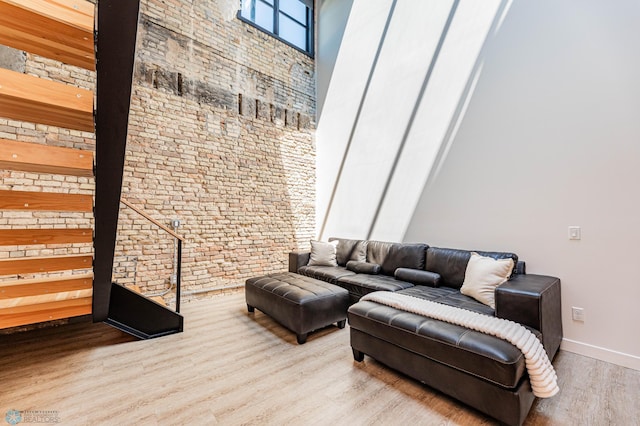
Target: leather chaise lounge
{"points": [[480, 370]]}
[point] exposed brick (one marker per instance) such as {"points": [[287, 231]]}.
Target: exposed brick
{"points": [[242, 184]]}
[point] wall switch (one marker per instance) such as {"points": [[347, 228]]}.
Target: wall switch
{"points": [[577, 314], [574, 233], [175, 223]]}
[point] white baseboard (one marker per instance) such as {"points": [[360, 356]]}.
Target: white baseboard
{"points": [[603, 354]]}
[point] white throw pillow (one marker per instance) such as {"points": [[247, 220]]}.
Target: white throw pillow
{"points": [[323, 254], [483, 275]]}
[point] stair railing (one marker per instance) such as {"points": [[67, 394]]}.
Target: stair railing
{"points": [[169, 231]]}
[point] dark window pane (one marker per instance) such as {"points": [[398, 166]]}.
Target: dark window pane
{"points": [[292, 19], [264, 16], [295, 9], [293, 32]]}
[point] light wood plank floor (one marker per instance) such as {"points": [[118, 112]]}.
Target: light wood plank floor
{"points": [[231, 368]]}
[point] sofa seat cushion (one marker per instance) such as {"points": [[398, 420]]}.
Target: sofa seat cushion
{"points": [[448, 296], [361, 284], [478, 354], [329, 274]]}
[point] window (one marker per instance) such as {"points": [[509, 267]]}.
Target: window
{"points": [[288, 20]]}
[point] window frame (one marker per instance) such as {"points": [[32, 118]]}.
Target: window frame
{"points": [[309, 27]]}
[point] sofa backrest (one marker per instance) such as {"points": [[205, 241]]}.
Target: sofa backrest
{"points": [[377, 251], [451, 264], [350, 250], [391, 256]]}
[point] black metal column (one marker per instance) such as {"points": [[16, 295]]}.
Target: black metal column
{"points": [[179, 276], [115, 53]]}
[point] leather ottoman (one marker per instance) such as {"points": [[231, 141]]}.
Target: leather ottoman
{"points": [[301, 304]]}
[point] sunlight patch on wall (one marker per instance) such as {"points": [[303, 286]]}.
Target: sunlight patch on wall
{"points": [[348, 79], [418, 90]]}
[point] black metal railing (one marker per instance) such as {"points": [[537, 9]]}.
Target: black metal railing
{"points": [[178, 240]]}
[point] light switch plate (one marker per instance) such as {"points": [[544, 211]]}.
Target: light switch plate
{"points": [[575, 233]]}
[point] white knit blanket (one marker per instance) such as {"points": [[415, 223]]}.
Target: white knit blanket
{"points": [[541, 373]]}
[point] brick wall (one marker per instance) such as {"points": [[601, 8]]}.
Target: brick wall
{"points": [[220, 137]]}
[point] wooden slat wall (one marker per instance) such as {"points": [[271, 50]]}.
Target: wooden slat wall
{"points": [[62, 30], [27, 98], [57, 29], [46, 201], [31, 157], [24, 237]]}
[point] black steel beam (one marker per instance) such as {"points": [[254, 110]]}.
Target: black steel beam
{"points": [[115, 53]]}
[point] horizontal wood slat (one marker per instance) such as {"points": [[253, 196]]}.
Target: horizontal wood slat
{"points": [[57, 29], [27, 98], [31, 265], [24, 237], [39, 299], [32, 157], [158, 299], [31, 314], [135, 288], [36, 286], [45, 201]]}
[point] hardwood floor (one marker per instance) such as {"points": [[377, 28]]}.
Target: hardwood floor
{"points": [[231, 368]]}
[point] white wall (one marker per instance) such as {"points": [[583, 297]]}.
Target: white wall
{"points": [[535, 127], [335, 14]]}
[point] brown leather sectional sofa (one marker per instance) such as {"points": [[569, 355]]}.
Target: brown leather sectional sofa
{"points": [[480, 370]]}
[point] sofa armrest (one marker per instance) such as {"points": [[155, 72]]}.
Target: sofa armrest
{"points": [[298, 259], [533, 300]]}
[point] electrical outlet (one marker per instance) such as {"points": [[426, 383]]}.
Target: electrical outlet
{"points": [[577, 314]]}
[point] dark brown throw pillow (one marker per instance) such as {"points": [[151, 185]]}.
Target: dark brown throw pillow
{"points": [[363, 267], [418, 277]]}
